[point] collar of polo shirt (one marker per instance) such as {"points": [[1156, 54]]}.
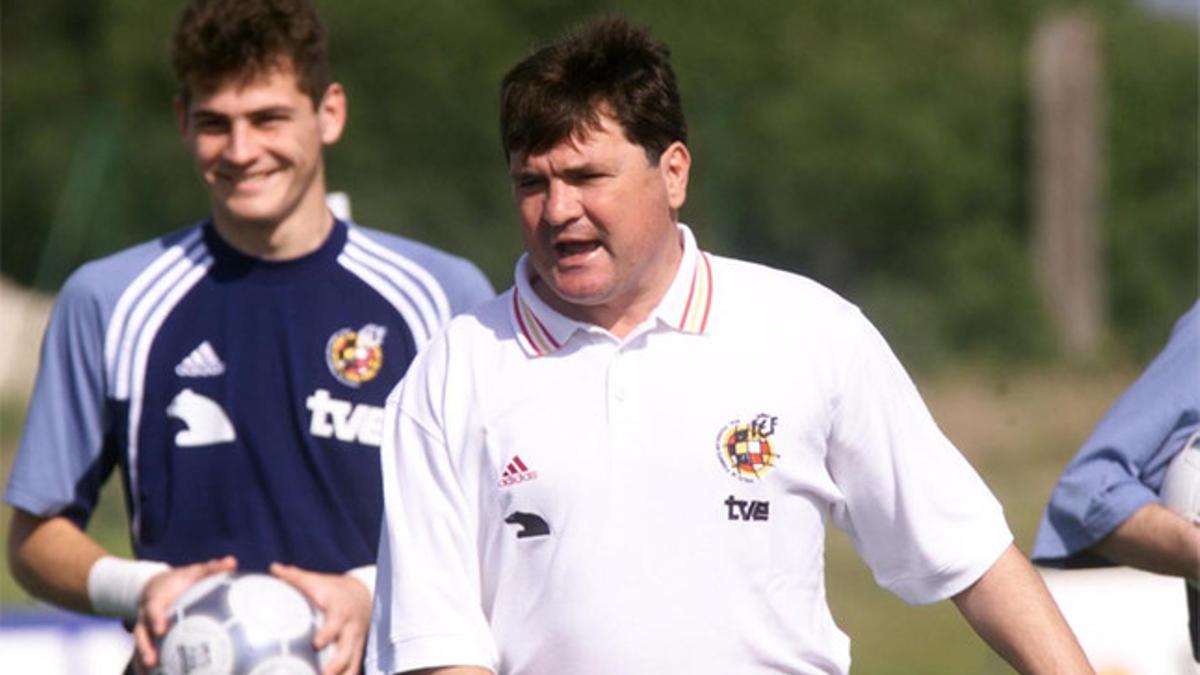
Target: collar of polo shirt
{"points": [[684, 308]]}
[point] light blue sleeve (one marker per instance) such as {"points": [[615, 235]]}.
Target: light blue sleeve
{"points": [[67, 448], [1120, 468], [462, 282], [58, 464], [465, 285]]}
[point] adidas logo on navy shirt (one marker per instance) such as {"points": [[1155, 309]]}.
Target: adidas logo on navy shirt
{"points": [[201, 362]]}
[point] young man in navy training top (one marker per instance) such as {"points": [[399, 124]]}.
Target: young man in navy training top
{"points": [[234, 371]]}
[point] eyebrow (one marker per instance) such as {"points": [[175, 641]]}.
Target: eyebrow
{"points": [[523, 176], [270, 110], [572, 172], [584, 170]]}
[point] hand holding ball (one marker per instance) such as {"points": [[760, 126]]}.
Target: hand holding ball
{"points": [[241, 624]]}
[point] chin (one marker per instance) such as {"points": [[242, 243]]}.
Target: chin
{"points": [[254, 218], [253, 211], [581, 295]]}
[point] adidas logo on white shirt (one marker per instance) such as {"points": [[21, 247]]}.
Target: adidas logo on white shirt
{"points": [[516, 472], [202, 362]]}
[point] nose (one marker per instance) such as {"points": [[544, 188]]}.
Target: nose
{"points": [[563, 205], [240, 147]]}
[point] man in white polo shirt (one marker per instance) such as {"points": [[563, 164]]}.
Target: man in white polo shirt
{"points": [[623, 464]]}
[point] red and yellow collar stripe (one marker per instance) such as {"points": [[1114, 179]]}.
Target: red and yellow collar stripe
{"points": [[539, 341], [699, 300], [531, 330]]}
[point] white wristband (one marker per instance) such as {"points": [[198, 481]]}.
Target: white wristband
{"points": [[365, 574], [115, 585]]}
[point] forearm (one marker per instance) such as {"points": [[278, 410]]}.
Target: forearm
{"points": [[51, 559], [1011, 609], [1157, 540]]}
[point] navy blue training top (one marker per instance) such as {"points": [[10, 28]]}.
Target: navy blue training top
{"points": [[241, 399]]}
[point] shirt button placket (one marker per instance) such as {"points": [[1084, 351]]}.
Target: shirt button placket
{"points": [[618, 399]]}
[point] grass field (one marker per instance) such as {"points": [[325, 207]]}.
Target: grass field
{"points": [[1018, 428]]}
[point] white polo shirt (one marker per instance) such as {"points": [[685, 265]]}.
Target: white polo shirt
{"points": [[562, 501]]}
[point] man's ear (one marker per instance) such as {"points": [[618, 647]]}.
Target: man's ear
{"points": [[675, 164], [331, 113]]}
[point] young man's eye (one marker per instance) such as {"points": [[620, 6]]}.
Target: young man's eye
{"points": [[211, 125], [270, 120]]}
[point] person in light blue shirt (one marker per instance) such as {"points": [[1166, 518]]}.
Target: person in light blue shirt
{"points": [[1106, 508]]}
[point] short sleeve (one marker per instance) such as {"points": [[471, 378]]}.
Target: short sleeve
{"points": [[917, 512], [60, 465], [427, 609]]}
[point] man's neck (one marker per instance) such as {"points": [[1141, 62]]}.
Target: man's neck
{"points": [[300, 233]]}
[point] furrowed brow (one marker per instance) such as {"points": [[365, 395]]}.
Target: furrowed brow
{"points": [[203, 115]]}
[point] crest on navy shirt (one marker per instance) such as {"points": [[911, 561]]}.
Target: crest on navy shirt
{"points": [[745, 448], [355, 356]]}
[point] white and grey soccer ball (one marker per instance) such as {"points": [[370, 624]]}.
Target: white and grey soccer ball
{"points": [[241, 624], [1181, 487]]}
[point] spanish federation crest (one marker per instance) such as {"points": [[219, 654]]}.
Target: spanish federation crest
{"points": [[355, 356], [745, 447]]}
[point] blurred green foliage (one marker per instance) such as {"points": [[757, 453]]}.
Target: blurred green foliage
{"points": [[881, 148]]}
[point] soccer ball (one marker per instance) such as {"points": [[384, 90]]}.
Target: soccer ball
{"points": [[241, 624], [1181, 486]]}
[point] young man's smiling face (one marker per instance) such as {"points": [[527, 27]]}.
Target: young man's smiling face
{"points": [[257, 143], [599, 223]]}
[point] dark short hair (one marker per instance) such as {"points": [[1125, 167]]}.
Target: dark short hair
{"points": [[215, 40], [604, 67]]}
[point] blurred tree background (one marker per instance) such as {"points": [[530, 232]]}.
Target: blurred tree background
{"points": [[881, 148]]}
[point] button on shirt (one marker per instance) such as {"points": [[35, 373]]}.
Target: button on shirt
{"points": [[559, 500]]}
